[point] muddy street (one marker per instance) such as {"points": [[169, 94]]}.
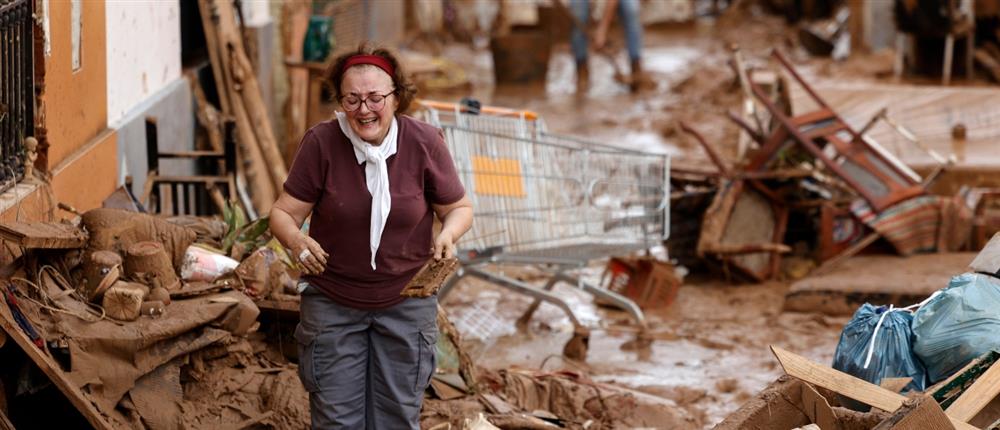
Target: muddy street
{"points": [[497, 215]]}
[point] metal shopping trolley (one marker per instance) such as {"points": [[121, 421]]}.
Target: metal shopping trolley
{"points": [[555, 202]]}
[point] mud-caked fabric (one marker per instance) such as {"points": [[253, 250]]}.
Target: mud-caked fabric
{"points": [[365, 369]]}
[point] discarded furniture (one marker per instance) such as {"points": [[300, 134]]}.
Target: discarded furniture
{"points": [[190, 195], [744, 226], [867, 168], [556, 202]]}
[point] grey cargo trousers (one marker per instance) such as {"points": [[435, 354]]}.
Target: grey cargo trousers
{"points": [[365, 369]]}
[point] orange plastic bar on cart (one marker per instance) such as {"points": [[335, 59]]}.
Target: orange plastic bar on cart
{"points": [[489, 110]]}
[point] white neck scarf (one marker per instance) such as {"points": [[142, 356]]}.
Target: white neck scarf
{"points": [[376, 175]]}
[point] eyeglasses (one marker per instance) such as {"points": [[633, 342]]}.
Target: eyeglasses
{"points": [[375, 102]]}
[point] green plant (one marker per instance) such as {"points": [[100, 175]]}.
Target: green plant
{"points": [[242, 237]]}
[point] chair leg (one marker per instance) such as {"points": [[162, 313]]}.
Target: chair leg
{"points": [[949, 51]]}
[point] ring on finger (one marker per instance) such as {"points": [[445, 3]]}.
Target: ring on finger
{"points": [[304, 254]]}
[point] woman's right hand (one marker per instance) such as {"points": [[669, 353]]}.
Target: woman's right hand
{"points": [[312, 256]]}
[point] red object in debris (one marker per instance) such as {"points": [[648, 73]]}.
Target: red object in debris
{"points": [[648, 282]]}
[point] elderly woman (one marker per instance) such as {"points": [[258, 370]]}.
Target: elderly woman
{"points": [[373, 180]]}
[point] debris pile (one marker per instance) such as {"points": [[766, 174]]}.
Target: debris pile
{"points": [[940, 352], [112, 312], [812, 186]]}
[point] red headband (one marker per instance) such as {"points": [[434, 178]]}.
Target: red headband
{"points": [[374, 60]]}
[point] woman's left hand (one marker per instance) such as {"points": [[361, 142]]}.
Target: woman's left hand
{"points": [[444, 246]]}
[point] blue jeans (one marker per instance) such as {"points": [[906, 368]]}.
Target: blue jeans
{"points": [[628, 12]]}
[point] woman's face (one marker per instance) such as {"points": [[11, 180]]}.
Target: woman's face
{"points": [[366, 83]]}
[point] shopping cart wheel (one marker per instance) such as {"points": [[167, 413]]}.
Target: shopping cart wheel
{"points": [[576, 347]]}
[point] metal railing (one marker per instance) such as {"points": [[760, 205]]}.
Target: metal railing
{"points": [[16, 87]]}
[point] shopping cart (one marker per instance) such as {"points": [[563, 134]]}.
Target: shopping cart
{"points": [[471, 114], [556, 203]]}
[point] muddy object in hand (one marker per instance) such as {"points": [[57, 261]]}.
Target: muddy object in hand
{"points": [[149, 263], [152, 308], [101, 269], [430, 278], [123, 301]]}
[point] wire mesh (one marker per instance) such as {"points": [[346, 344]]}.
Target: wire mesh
{"points": [[534, 194]]}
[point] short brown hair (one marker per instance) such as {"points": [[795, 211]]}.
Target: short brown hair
{"points": [[405, 90]]}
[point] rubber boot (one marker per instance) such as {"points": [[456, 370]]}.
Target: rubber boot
{"points": [[582, 77], [639, 81]]}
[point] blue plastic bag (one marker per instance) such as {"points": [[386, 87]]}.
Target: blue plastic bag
{"points": [[959, 324], [891, 354]]}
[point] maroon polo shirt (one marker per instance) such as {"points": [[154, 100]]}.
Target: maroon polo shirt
{"points": [[327, 174]]}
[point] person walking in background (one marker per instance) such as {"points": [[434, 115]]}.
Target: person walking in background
{"points": [[628, 13], [373, 180]]}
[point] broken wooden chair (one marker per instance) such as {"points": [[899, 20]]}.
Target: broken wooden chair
{"points": [[197, 195], [867, 168], [744, 226]]}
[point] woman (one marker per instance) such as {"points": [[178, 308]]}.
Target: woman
{"points": [[372, 180]]}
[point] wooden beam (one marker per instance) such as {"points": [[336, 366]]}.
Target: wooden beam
{"points": [[218, 20], [709, 149], [974, 399], [48, 235], [247, 89], [52, 370], [844, 384]]}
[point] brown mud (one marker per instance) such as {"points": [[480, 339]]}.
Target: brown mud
{"points": [[708, 353]]}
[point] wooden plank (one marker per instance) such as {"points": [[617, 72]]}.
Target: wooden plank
{"points": [[844, 384], [977, 396], [818, 409], [430, 278], [895, 384], [52, 370], [920, 413], [208, 116], [48, 235], [248, 89], [261, 184], [295, 24]]}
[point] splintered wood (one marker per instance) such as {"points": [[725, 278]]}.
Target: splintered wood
{"points": [[430, 278], [850, 386], [48, 235]]}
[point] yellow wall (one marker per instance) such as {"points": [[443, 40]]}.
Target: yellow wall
{"points": [[90, 174], [76, 107], [82, 153]]}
